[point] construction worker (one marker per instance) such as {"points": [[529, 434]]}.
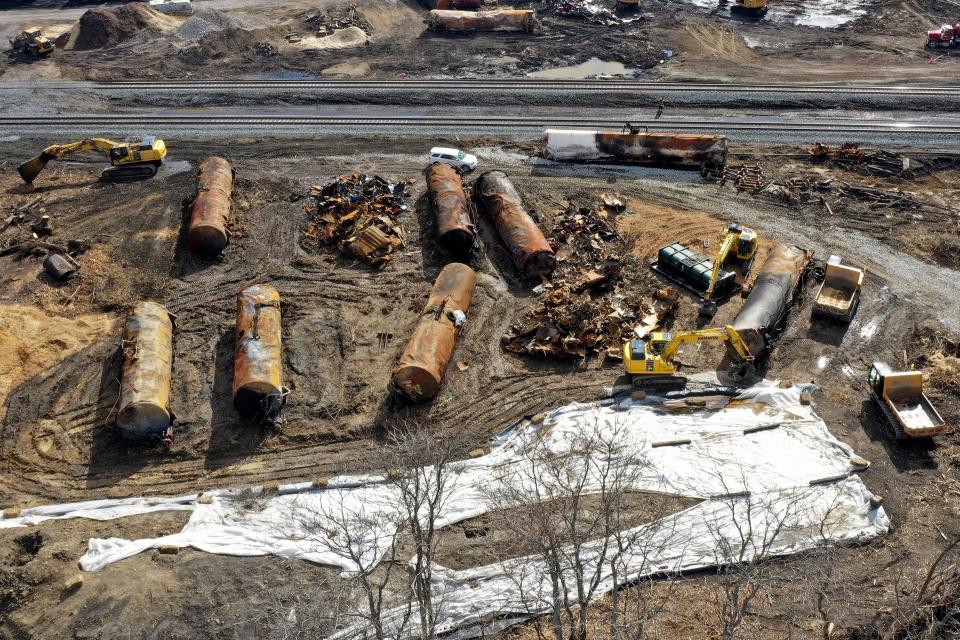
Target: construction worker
{"points": [[659, 110]]}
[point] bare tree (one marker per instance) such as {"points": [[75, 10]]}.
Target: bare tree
{"points": [[361, 534], [295, 613], [745, 531], [572, 509], [423, 461]]}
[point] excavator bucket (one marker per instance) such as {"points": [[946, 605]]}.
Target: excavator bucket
{"points": [[707, 308], [32, 168]]}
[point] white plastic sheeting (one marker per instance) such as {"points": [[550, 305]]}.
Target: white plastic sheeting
{"points": [[767, 444]]}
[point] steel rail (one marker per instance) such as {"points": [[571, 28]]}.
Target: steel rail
{"points": [[505, 84], [533, 84], [380, 122]]}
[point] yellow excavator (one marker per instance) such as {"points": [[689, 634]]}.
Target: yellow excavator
{"points": [[736, 242], [134, 159], [652, 362]]}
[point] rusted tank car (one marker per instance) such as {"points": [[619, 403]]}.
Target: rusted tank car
{"points": [[207, 233], [258, 389], [674, 149], [420, 371], [467, 5], [456, 232], [531, 252], [763, 314], [143, 411], [500, 20]]}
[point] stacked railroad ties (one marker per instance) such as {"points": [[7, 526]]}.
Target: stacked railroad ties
{"points": [[144, 414]]}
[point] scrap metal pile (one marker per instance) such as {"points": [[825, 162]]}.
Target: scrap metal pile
{"points": [[878, 162], [582, 311], [329, 20], [359, 214]]}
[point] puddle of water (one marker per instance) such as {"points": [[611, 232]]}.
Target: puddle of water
{"points": [[172, 167], [281, 75], [590, 68]]}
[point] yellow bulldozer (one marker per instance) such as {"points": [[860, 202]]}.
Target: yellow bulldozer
{"points": [[134, 159], [653, 362], [32, 42]]}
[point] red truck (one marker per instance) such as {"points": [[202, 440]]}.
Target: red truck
{"points": [[947, 37]]}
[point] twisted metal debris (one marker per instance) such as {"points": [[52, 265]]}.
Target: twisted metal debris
{"points": [[359, 214], [582, 311]]}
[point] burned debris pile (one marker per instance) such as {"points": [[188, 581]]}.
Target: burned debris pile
{"points": [[582, 310], [27, 231], [359, 214], [326, 21]]}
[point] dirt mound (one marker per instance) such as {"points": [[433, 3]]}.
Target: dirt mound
{"points": [[100, 28], [34, 341], [205, 22], [339, 39]]}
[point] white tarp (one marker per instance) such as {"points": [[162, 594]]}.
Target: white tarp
{"points": [[767, 444]]}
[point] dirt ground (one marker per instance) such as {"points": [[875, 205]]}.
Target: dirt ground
{"points": [[61, 388], [880, 40]]}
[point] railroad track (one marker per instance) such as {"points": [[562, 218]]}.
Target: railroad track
{"points": [[467, 122], [505, 84]]}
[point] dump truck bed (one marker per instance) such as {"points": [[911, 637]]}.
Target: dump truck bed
{"points": [[907, 408], [918, 418], [838, 294]]}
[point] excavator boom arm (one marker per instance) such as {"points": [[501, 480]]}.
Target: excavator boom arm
{"points": [[725, 334], [60, 151], [729, 239], [32, 168]]}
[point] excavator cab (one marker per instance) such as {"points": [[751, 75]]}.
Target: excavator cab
{"points": [[747, 245]]}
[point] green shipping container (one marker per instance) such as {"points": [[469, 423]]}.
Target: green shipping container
{"points": [[694, 270]]}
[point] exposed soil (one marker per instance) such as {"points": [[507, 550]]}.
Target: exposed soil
{"points": [[57, 443], [670, 40]]}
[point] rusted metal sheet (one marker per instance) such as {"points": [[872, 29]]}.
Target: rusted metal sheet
{"points": [[211, 209], [500, 20], [763, 314], [635, 148], [456, 232], [258, 389], [420, 371], [144, 413], [531, 252]]}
